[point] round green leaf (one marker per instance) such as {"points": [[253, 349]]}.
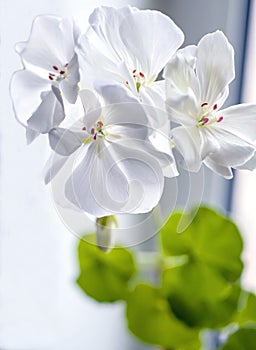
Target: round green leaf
{"points": [[104, 276], [151, 319], [243, 339], [211, 238], [247, 313], [199, 296]]}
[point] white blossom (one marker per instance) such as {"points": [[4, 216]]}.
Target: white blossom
{"points": [[116, 168], [50, 71], [197, 85]]}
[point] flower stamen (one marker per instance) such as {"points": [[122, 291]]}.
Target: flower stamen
{"points": [[62, 73], [205, 121], [207, 114]]}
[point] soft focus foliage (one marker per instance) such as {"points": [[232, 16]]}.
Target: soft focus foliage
{"points": [[243, 339], [199, 289], [104, 276]]}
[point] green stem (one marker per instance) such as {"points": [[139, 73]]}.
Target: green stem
{"points": [[149, 260], [105, 227]]}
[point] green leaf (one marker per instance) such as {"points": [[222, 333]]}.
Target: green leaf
{"points": [[104, 276], [211, 238], [151, 319], [243, 339], [247, 313], [199, 296]]}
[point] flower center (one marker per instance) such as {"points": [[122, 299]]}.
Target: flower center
{"points": [[96, 131], [58, 73], [207, 115], [139, 78]]}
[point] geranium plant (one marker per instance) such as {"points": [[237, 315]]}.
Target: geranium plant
{"points": [[125, 106]]}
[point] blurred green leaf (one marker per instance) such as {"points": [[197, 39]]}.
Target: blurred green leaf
{"points": [[243, 339], [200, 296], [247, 313], [151, 319], [211, 238], [104, 276]]}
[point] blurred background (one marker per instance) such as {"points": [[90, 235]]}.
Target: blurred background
{"points": [[40, 305]]}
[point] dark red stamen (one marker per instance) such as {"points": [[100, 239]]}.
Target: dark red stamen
{"points": [[220, 119], [50, 77], [55, 67], [205, 120], [62, 72], [204, 104], [95, 136], [215, 107], [126, 83], [92, 131], [84, 128], [66, 65], [134, 71], [142, 75]]}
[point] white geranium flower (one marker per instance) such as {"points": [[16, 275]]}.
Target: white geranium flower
{"points": [[50, 71], [116, 170], [131, 47], [197, 81]]}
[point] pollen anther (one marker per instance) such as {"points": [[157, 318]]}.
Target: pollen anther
{"points": [[205, 120]]}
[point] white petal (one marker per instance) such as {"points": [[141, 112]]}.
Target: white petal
{"points": [[106, 22], [69, 85], [145, 179], [90, 185], [151, 38], [221, 170], [234, 151], [26, 88], [153, 101], [250, 164], [51, 42], [49, 114], [182, 108], [115, 179], [189, 53], [92, 108], [209, 144], [102, 49], [121, 106], [113, 93], [240, 120], [188, 142], [128, 132], [31, 135], [97, 61], [215, 66], [52, 167], [154, 94], [64, 141], [182, 89], [179, 72]]}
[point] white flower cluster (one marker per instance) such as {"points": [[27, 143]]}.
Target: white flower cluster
{"points": [[132, 117]]}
